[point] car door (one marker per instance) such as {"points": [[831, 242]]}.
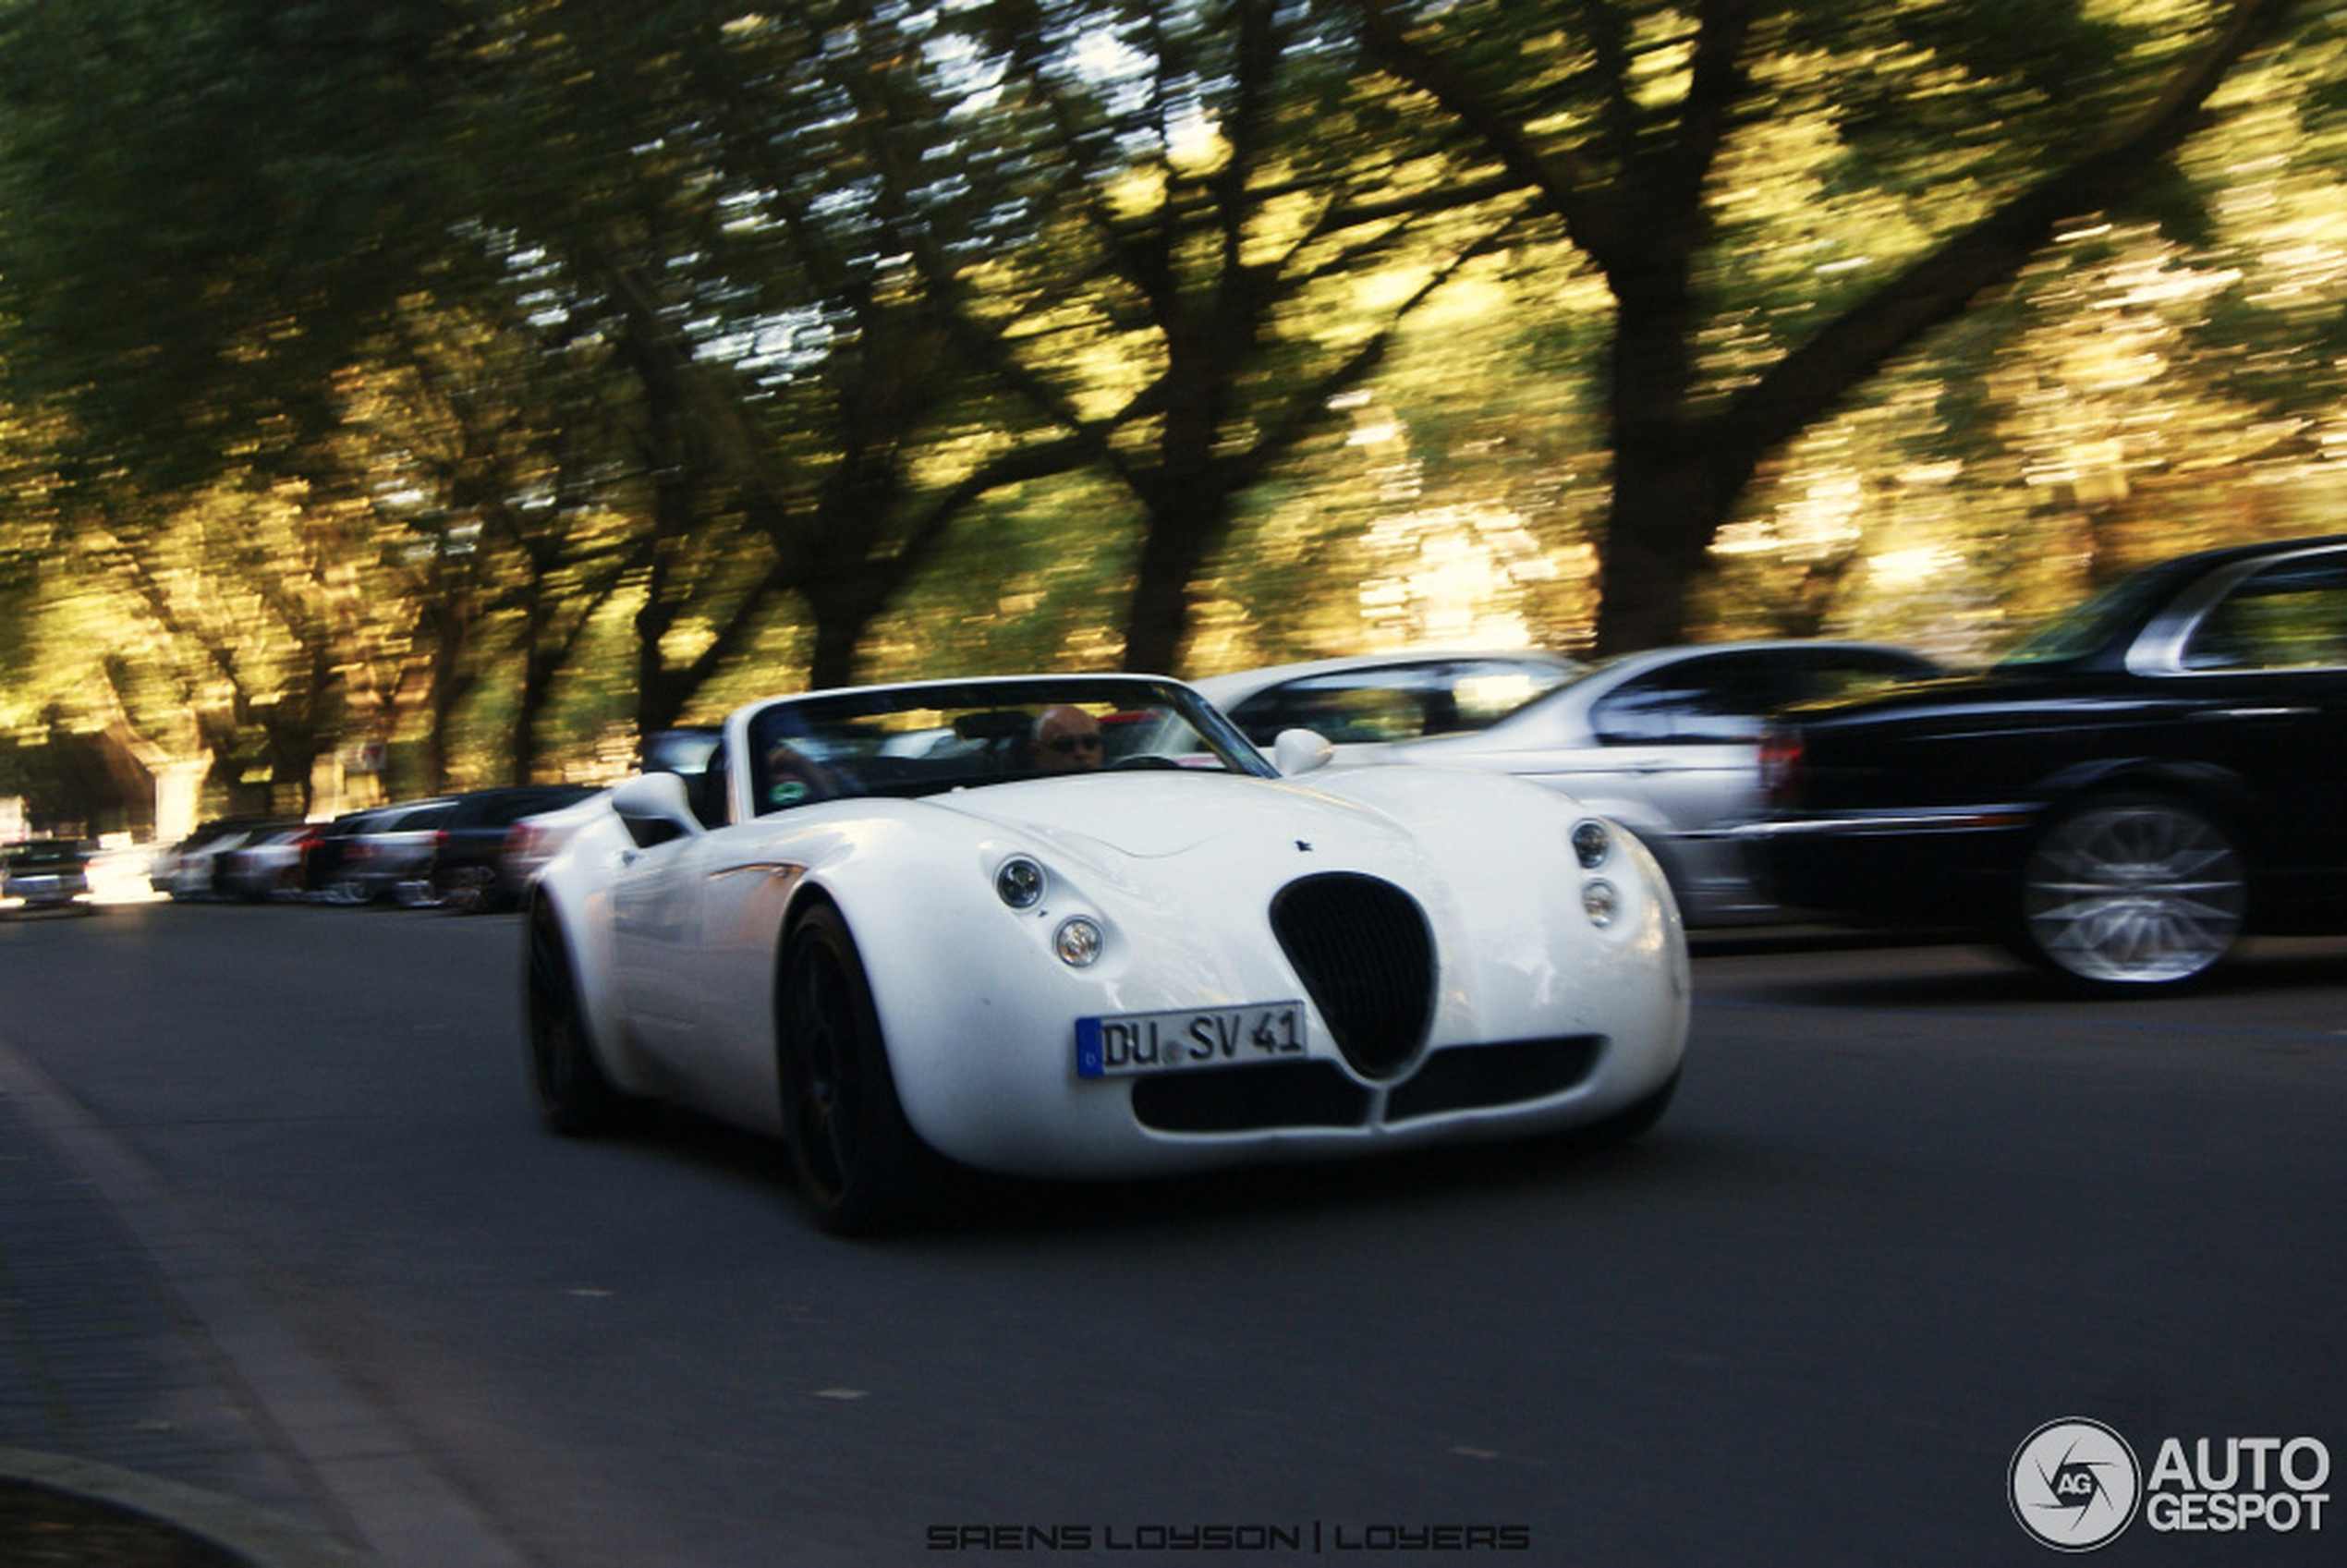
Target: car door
{"points": [[2264, 674], [655, 926]]}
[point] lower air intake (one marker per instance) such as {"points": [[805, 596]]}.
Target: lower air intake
{"points": [[1363, 951]]}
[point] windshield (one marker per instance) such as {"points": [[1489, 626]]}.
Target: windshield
{"points": [[924, 739]]}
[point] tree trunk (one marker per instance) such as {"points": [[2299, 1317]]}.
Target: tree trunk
{"points": [[1185, 525]]}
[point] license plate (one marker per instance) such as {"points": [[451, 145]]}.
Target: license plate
{"points": [[1133, 1043]]}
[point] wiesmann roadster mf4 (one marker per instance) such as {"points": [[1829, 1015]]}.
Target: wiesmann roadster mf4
{"points": [[1077, 927]]}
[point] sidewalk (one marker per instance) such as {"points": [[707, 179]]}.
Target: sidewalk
{"points": [[152, 1403]]}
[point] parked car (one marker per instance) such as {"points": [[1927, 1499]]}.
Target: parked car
{"points": [[388, 857], [1666, 743], [45, 873], [468, 872], [268, 863], [533, 840], [189, 869], [891, 958], [536, 839], [1377, 699], [2119, 799], [323, 876]]}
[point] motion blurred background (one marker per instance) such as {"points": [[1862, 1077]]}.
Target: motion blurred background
{"points": [[438, 393]]}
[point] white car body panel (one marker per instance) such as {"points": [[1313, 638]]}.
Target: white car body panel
{"points": [[674, 947]]}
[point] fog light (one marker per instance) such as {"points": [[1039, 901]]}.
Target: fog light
{"points": [[1591, 845], [1600, 899], [1019, 883], [1078, 941]]}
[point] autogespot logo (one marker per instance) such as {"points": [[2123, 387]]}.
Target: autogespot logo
{"points": [[2074, 1484]]}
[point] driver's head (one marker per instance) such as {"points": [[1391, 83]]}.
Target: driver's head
{"points": [[1065, 740]]}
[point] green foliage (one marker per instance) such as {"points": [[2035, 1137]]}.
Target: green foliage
{"points": [[211, 205], [491, 377]]}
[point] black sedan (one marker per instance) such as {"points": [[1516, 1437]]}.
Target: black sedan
{"points": [[2121, 799]]}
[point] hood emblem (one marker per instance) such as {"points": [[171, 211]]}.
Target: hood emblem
{"points": [[1302, 847]]}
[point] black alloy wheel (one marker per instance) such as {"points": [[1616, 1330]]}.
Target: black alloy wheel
{"points": [[574, 1095], [2132, 892], [859, 1165], [466, 889]]}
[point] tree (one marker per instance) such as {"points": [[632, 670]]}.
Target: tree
{"points": [[1986, 127], [1209, 207]]}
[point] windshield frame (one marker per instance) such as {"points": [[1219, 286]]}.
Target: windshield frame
{"points": [[1206, 740]]}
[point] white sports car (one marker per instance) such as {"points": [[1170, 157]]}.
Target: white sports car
{"points": [[1077, 926]]}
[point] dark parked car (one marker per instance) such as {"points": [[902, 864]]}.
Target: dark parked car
{"points": [[326, 874], [46, 873], [465, 873], [389, 856], [2119, 799]]}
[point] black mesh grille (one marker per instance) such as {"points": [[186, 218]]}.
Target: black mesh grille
{"points": [[1248, 1100], [1362, 949], [1475, 1077]]}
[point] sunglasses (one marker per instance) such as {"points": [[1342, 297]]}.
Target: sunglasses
{"points": [[1065, 744]]}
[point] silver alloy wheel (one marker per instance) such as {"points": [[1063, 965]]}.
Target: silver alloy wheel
{"points": [[2133, 889]]}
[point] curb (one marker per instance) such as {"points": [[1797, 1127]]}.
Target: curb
{"points": [[375, 1483]]}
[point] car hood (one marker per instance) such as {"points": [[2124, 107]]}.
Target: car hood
{"points": [[1155, 815]]}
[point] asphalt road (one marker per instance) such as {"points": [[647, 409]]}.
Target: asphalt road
{"points": [[1909, 1208]]}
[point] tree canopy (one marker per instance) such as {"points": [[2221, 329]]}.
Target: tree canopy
{"points": [[487, 378]]}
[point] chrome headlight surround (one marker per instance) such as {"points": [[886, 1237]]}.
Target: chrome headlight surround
{"points": [[1078, 942], [1601, 901], [1019, 882]]}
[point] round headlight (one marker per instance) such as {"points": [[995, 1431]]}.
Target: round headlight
{"points": [[1591, 845], [1600, 899], [1019, 882], [1078, 941]]}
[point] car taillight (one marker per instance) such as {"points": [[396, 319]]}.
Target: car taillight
{"points": [[1781, 767]]}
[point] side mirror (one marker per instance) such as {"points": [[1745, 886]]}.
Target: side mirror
{"points": [[656, 808], [1300, 751]]}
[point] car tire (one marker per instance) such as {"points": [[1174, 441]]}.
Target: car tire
{"points": [[860, 1167], [575, 1096], [465, 890], [2132, 892]]}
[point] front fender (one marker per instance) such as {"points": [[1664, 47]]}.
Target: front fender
{"points": [[2220, 789], [573, 892]]}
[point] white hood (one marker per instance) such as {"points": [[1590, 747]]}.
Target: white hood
{"points": [[1154, 815]]}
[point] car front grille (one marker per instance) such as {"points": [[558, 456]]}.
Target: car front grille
{"points": [[1362, 948], [1250, 1100], [1475, 1077]]}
